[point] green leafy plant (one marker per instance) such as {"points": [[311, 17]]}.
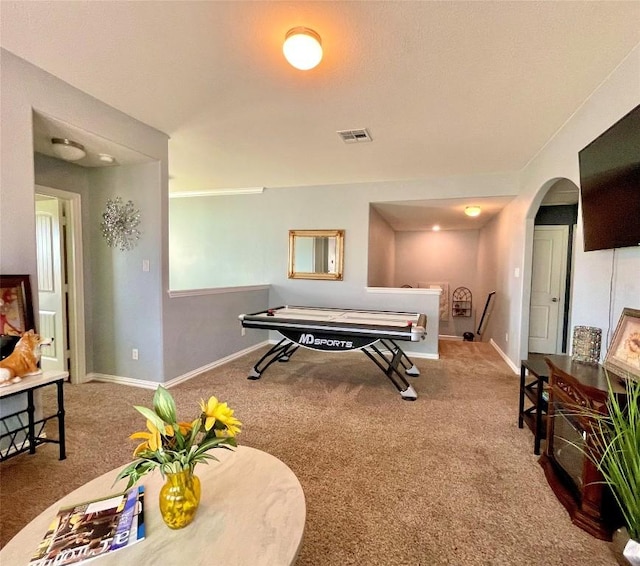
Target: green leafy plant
{"points": [[174, 446], [616, 451]]}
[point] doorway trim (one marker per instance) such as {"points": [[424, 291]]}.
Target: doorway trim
{"points": [[527, 266], [75, 279]]}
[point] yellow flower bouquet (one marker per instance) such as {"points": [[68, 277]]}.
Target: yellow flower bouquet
{"points": [[175, 446]]}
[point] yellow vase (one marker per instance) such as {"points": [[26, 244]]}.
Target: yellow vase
{"points": [[179, 498]]}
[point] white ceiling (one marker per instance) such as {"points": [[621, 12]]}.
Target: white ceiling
{"points": [[46, 127], [443, 87]]}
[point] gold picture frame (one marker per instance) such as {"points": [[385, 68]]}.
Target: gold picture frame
{"points": [[316, 254], [623, 355]]}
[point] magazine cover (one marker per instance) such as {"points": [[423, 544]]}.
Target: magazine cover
{"points": [[87, 530]]}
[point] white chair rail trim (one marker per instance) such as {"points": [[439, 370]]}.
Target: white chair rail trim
{"points": [[215, 291]]}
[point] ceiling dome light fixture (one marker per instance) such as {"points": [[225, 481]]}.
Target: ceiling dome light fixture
{"points": [[106, 158], [302, 48], [472, 211], [68, 149]]}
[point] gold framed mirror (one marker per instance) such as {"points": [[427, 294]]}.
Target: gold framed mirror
{"points": [[316, 254]]}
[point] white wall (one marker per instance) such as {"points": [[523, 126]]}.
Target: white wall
{"points": [[217, 242], [382, 251], [261, 225], [489, 266], [440, 257], [268, 217], [592, 277]]}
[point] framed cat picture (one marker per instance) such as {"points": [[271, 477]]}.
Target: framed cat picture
{"points": [[16, 306]]}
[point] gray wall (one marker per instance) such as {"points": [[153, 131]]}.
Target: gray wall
{"points": [[126, 306], [209, 328], [25, 88]]}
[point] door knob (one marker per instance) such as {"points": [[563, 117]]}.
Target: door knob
{"points": [[555, 299]]}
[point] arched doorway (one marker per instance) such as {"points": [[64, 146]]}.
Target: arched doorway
{"points": [[551, 223]]}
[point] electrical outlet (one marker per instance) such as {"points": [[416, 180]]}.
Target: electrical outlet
{"points": [[134, 354], [145, 265], [506, 337]]}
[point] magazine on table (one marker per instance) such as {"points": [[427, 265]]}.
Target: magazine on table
{"points": [[87, 530]]}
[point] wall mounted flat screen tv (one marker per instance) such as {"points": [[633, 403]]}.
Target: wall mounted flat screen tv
{"points": [[610, 186]]}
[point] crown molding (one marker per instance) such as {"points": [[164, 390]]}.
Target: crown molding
{"points": [[218, 192]]}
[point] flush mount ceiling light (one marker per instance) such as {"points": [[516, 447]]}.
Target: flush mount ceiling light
{"points": [[472, 211], [302, 48], [68, 149], [106, 158]]}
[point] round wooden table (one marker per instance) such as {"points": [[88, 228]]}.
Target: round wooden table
{"points": [[252, 512]]}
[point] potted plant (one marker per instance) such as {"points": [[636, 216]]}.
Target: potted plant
{"points": [[616, 453]]}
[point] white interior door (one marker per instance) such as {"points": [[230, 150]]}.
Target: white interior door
{"points": [[51, 285], [548, 283]]}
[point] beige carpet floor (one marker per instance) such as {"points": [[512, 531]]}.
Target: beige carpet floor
{"points": [[447, 479]]}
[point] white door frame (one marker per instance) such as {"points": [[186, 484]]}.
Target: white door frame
{"points": [[75, 279]]}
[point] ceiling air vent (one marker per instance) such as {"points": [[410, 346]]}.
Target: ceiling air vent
{"points": [[355, 136]]}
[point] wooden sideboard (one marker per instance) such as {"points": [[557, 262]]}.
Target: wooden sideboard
{"points": [[573, 477]]}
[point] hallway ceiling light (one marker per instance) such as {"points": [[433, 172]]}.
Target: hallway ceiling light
{"points": [[106, 158], [436, 228], [472, 211], [68, 149], [302, 48]]}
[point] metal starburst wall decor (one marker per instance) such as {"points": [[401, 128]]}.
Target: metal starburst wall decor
{"points": [[120, 224]]}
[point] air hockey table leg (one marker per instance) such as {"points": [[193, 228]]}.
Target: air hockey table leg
{"points": [[409, 394], [409, 367], [254, 374], [413, 371], [280, 352]]}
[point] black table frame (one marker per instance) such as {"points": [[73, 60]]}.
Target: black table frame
{"points": [[34, 428], [533, 390]]}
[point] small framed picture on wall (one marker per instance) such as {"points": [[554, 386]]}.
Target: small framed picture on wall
{"points": [[16, 306]]}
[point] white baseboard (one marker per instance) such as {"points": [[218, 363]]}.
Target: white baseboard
{"points": [[506, 358], [143, 383], [212, 365], [146, 384], [423, 355], [450, 337]]}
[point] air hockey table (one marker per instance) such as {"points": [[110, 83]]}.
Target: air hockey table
{"points": [[376, 333]]}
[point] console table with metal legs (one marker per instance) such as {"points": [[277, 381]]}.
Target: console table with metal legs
{"points": [[534, 390], [23, 428]]}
